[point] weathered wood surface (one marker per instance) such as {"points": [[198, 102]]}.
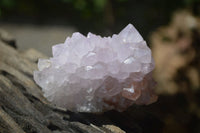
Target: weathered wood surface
{"points": [[24, 109]]}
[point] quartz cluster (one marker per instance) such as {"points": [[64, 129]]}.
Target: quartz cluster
{"points": [[96, 74]]}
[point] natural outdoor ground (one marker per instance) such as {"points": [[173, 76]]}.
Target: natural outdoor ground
{"points": [[36, 36]]}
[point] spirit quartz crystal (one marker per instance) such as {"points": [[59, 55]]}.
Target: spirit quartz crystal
{"points": [[97, 74]]}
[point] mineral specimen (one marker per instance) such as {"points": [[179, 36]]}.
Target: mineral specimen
{"points": [[95, 74]]}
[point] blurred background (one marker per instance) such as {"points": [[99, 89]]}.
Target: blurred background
{"points": [[171, 28]]}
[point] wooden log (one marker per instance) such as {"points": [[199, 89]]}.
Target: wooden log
{"points": [[24, 109]]}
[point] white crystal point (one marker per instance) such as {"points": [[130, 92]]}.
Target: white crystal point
{"points": [[130, 34], [96, 74], [43, 63]]}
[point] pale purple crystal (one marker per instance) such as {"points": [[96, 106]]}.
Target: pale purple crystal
{"points": [[95, 74]]}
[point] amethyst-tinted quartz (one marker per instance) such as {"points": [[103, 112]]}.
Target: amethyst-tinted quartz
{"points": [[96, 74]]}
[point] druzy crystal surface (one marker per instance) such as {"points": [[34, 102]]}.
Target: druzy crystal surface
{"points": [[96, 74]]}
